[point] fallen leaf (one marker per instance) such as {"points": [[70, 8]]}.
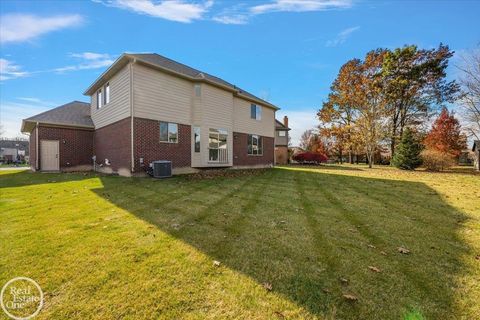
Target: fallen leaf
{"points": [[371, 246], [279, 314], [344, 281], [383, 253], [326, 290], [403, 250], [350, 297], [216, 263], [267, 286], [477, 257], [374, 269]]}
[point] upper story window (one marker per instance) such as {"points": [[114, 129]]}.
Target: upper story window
{"points": [[282, 133], [99, 98], [106, 95], [168, 132], [255, 112], [255, 145], [198, 89]]}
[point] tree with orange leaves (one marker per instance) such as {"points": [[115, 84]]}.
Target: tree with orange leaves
{"points": [[446, 136]]}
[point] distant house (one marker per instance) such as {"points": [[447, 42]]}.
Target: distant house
{"points": [[281, 141], [13, 150], [146, 107], [476, 151]]}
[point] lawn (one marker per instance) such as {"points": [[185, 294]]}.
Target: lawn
{"points": [[291, 243]]}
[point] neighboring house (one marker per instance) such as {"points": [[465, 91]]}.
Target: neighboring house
{"points": [[476, 151], [146, 107], [281, 141], [13, 150]]}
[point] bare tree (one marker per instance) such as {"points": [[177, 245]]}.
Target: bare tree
{"points": [[470, 102]]}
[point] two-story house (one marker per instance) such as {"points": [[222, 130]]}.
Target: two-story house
{"points": [[146, 107], [281, 141]]}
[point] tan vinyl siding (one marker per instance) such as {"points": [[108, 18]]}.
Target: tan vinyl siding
{"points": [[243, 123], [161, 96], [216, 111], [282, 141], [119, 106]]}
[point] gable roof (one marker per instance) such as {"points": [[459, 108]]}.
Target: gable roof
{"points": [[179, 69], [476, 145], [74, 114], [280, 126]]}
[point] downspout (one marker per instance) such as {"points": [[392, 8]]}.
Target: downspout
{"points": [[36, 147], [132, 159]]}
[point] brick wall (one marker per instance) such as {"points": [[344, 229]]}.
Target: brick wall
{"points": [[148, 146], [32, 149], [76, 145], [240, 156], [112, 142], [281, 155]]}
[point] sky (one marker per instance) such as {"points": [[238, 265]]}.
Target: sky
{"points": [[285, 51]]}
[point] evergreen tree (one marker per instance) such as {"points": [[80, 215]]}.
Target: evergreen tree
{"points": [[407, 155]]}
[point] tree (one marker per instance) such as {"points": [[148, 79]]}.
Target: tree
{"points": [[407, 156], [470, 101], [414, 86], [446, 135], [337, 115], [305, 139], [370, 104]]}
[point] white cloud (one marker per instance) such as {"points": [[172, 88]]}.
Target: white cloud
{"points": [[341, 37], [25, 27], [13, 112], [10, 70], [299, 122], [300, 6], [88, 60], [174, 10], [231, 19]]}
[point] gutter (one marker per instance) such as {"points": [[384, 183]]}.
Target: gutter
{"points": [[132, 158]]}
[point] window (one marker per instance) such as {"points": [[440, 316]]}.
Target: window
{"points": [[282, 133], [196, 138], [168, 132], [217, 145], [255, 145], [255, 112], [106, 98], [198, 90], [99, 99]]}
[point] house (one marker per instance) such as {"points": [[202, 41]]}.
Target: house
{"points": [[13, 150], [146, 107], [281, 141], [476, 151]]}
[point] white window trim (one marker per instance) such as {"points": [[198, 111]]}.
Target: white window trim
{"points": [[168, 132], [259, 138], [99, 99], [106, 94]]}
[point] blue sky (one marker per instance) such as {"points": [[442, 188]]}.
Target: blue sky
{"points": [[285, 51]]}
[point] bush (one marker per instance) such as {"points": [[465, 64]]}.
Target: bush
{"points": [[407, 154], [434, 160], [310, 157]]}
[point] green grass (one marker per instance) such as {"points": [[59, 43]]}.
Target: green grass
{"points": [[105, 247]]}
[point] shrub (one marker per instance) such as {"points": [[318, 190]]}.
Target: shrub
{"points": [[310, 157], [407, 154], [434, 160]]}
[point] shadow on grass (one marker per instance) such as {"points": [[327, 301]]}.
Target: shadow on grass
{"points": [[324, 166], [311, 235], [303, 232]]}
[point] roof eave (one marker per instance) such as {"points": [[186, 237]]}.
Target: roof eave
{"points": [[107, 74], [56, 124]]}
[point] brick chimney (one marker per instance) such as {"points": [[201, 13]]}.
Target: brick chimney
{"points": [[285, 121]]}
